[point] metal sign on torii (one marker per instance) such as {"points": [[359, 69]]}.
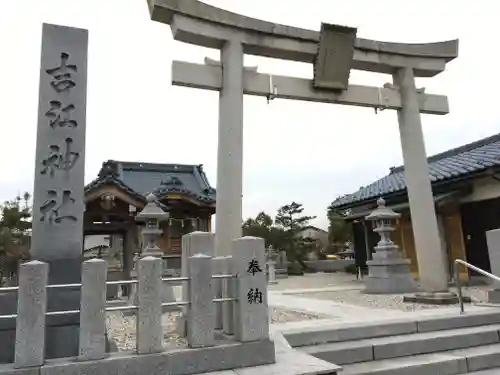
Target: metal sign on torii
{"points": [[333, 51]]}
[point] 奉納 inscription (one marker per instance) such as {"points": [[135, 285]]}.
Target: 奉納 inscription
{"points": [[62, 76], [57, 207], [60, 115], [60, 159], [254, 296], [254, 267]]}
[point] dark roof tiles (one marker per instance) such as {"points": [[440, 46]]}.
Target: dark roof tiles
{"points": [[161, 179], [454, 163]]}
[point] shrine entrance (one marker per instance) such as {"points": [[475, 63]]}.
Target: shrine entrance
{"points": [[333, 52]]}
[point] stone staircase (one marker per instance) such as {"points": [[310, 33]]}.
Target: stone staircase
{"points": [[443, 344]]}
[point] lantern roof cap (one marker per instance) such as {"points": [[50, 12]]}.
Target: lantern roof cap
{"points": [[382, 212], [152, 210]]}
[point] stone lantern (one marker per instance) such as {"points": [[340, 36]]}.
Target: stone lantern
{"points": [[389, 272], [152, 215]]}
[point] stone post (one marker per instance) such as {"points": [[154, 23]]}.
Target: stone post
{"points": [[228, 291], [149, 311], [252, 315], [431, 260], [93, 310], [31, 308], [201, 316], [219, 265], [271, 272], [192, 243], [389, 273], [493, 242], [230, 149]]}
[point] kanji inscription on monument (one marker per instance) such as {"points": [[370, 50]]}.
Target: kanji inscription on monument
{"points": [[251, 289], [60, 149]]}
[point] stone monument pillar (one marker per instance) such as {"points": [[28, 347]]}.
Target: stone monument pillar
{"points": [[152, 215], [58, 205], [388, 272]]}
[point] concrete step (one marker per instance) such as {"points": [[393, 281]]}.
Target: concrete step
{"points": [[473, 360], [373, 349], [345, 331]]}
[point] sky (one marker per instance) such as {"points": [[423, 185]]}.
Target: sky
{"points": [[293, 151]]}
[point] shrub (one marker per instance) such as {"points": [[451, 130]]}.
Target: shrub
{"points": [[295, 269], [351, 268]]}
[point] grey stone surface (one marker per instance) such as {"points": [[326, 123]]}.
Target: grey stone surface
{"points": [[175, 362], [149, 311], [388, 272], [228, 291], [31, 308], [252, 320], [202, 313], [218, 269], [208, 26], [271, 272], [60, 149], [192, 243], [93, 310], [152, 215], [58, 206], [493, 242], [230, 148], [348, 331], [434, 298]]}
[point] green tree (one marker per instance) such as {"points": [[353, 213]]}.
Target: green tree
{"points": [[290, 219], [15, 223], [262, 226], [339, 230]]}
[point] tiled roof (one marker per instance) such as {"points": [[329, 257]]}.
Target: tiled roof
{"points": [[446, 166], [161, 179]]}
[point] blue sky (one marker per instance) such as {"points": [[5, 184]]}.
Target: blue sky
{"points": [[307, 152]]}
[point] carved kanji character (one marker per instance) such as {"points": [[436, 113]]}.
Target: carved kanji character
{"points": [[58, 159], [62, 76], [60, 115], [51, 208]]}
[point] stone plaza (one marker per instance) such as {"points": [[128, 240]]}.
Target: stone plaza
{"points": [[232, 310]]}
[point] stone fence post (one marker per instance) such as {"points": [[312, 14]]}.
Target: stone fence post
{"points": [[93, 310], [201, 311], [252, 315], [149, 311], [31, 309], [192, 244]]}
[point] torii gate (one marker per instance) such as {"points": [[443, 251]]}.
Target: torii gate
{"points": [[333, 51]]}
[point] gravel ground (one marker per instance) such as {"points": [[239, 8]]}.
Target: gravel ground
{"points": [[393, 301], [122, 329]]}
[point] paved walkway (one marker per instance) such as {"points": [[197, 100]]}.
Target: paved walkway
{"points": [[286, 295]]}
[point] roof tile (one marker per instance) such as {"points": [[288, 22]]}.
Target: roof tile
{"points": [[457, 162]]}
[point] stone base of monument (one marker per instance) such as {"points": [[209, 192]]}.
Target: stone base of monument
{"points": [[435, 298], [494, 296], [389, 275]]}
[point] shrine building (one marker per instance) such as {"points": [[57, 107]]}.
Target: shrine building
{"points": [[118, 194], [466, 187]]}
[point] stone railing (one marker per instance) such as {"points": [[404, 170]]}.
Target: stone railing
{"points": [[225, 332]]}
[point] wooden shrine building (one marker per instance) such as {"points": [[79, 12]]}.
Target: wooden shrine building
{"points": [[466, 187], [118, 194]]}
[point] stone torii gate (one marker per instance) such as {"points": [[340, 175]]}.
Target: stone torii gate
{"points": [[334, 52]]}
